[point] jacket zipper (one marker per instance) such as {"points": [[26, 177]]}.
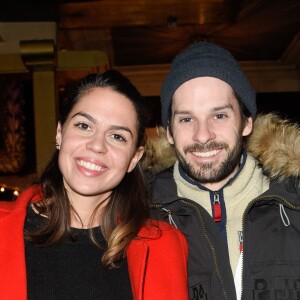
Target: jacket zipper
{"points": [[185, 202], [241, 241], [217, 207], [273, 197]]}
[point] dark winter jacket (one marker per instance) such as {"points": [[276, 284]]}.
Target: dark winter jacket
{"points": [[271, 222]]}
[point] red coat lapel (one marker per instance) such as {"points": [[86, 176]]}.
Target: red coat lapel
{"points": [[12, 254], [137, 253]]}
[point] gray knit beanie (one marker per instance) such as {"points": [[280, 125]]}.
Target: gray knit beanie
{"points": [[206, 59]]}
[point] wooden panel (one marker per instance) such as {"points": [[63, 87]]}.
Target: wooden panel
{"points": [[12, 63], [265, 76], [291, 55], [44, 117], [268, 77], [122, 13], [80, 60]]}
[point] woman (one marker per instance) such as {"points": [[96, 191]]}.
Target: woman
{"points": [[84, 232]]}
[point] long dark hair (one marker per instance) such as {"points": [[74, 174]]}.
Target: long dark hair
{"points": [[128, 206]]}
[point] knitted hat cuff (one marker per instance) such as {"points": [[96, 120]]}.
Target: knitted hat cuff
{"points": [[201, 60]]}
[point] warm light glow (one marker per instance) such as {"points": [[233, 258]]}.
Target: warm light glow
{"points": [[9, 191], [202, 16]]}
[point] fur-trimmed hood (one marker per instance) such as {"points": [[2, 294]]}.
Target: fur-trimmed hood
{"points": [[274, 142]]}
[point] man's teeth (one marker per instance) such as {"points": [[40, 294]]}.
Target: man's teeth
{"points": [[90, 166], [207, 153]]}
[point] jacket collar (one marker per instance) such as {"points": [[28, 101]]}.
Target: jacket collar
{"points": [[202, 187], [274, 142]]}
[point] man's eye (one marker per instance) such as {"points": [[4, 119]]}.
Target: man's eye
{"points": [[185, 120], [220, 116]]}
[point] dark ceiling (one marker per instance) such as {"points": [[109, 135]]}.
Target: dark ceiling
{"points": [[147, 32]]}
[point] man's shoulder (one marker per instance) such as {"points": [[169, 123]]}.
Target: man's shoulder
{"points": [[162, 186], [162, 176], [163, 179], [288, 188], [166, 174]]}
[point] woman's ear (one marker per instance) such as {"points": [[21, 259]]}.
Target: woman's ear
{"points": [[136, 158], [58, 136]]}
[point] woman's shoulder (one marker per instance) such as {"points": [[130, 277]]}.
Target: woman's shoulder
{"points": [[159, 246], [155, 231], [155, 228], [160, 238]]}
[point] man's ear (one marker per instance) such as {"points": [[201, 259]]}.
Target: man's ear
{"points": [[248, 126], [169, 136], [136, 158]]}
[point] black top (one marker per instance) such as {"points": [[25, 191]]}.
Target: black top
{"points": [[72, 269]]}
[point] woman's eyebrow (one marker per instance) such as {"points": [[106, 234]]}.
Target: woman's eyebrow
{"points": [[117, 127], [89, 117], [92, 119]]}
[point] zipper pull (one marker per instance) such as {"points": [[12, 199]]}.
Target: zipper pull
{"points": [[240, 233], [171, 220], [217, 208]]}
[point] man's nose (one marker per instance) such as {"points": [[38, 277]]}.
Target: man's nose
{"points": [[203, 132]]}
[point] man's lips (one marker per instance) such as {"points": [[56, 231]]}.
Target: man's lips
{"points": [[206, 154]]}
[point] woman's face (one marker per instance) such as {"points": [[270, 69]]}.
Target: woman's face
{"points": [[98, 144]]}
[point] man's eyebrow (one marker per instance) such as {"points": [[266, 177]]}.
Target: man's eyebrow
{"points": [[89, 117], [214, 109], [218, 108], [181, 112]]}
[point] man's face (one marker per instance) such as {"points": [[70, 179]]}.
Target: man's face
{"points": [[207, 131]]}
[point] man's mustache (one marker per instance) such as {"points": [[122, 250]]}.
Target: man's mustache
{"points": [[197, 147]]}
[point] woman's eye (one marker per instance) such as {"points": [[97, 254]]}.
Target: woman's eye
{"points": [[82, 126], [119, 137]]}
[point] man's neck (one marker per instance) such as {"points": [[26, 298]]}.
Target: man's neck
{"points": [[216, 186]]}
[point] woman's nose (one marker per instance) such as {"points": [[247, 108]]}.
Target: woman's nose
{"points": [[97, 144]]}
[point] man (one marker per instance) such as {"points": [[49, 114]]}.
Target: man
{"points": [[217, 193]]}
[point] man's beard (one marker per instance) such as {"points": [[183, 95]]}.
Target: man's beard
{"points": [[205, 172]]}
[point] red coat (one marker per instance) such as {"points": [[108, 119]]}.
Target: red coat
{"points": [[157, 266]]}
